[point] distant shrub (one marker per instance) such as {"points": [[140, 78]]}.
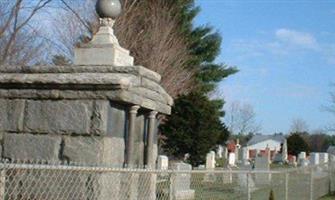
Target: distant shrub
{"points": [[272, 196], [220, 162]]}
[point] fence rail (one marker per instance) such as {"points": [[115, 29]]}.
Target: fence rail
{"points": [[26, 181]]}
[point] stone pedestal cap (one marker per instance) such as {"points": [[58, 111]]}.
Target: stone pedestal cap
{"points": [[134, 85], [104, 49]]}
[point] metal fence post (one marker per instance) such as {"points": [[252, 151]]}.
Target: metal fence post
{"points": [[286, 184], [172, 186], [2, 184], [331, 178], [248, 186], [311, 185]]}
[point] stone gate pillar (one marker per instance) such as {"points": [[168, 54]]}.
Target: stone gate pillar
{"points": [[80, 113]]}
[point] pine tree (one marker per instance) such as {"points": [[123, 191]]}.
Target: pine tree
{"points": [[194, 127], [297, 144], [195, 124]]}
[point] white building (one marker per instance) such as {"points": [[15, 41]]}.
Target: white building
{"points": [[261, 142]]}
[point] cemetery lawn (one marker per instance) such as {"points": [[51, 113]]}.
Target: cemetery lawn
{"points": [[328, 198], [280, 166]]}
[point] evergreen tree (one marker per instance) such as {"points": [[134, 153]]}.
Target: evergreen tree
{"points": [[194, 127], [195, 124], [204, 46], [297, 144]]}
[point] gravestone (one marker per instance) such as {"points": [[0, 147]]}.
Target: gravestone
{"points": [[294, 161], [302, 155], [268, 154], [262, 169], [231, 159], [304, 163], [210, 160], [331, 158], [284, 152], [163, 163], [245, 182], [245, 156], [219, 151], [302, 159], [314, 159], [181, 183], [237, 151], [227, 176], [324, 158], [202, 167], [210, 165]]}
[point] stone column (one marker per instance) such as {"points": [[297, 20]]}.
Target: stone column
{"points": [[131, 136], [149, 179], [150, 160]]}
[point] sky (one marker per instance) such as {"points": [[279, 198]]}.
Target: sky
{"points": [[285, 51]]}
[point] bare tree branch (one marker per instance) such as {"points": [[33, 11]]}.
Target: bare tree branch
{"points": [[13, 27], [242, 119]]}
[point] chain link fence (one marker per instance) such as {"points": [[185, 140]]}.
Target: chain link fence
{"points": [[24, 181]]}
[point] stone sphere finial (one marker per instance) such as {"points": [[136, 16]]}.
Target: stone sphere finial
{"points": [[108, 8]]}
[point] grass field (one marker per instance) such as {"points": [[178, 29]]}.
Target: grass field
{"points": [[328, 198], [217, 186]]}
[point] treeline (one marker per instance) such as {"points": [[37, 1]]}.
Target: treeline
{"points": [[315, 142]]}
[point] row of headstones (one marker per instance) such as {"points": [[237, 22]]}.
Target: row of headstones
{"points": [[314, 159], [181, 188], [240, 155]]}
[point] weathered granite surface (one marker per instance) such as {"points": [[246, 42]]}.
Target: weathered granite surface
{"points": [[93, 150], [58, 117], [133, 84], [116, 124], [99, 122], [31, 147], [11, 115], [135, 70]]}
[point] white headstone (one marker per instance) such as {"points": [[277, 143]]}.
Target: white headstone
{"points": [[231, 159], [201, 167], [245, 156], [331, 158], [324, 157], [268, 154], [236, 154], [181, 186], [294, 161], [219, 152], [262, 164], [304, 163], [210, 160], [284, 152], [302, 155], [245, 182], [314, 159], [302, 159], [163, 163]]}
